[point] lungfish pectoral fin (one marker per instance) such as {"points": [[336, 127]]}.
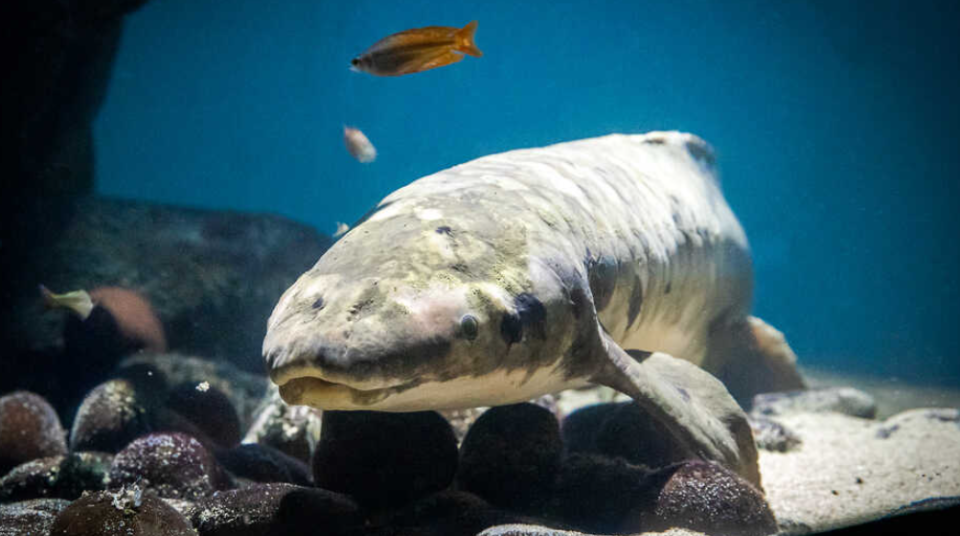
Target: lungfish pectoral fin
{"points": [[692, 405]]}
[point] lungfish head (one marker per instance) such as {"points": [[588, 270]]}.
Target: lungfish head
{"points": [[420, 313]]}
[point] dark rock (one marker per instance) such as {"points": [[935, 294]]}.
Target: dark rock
{"points": [[619, 430], [263, 463], [30, 518], [845, 400], [632, 434], [581, 427], [385, 458], [174, 465], [209, 409], [599, 494], [511, 457], [212, 277], [447, 513], [706, 497], [293, 430], [35, 479], [65, 477], [125, 512], [771, 435], [29, 429], [273, 510], [243, 389], [112, 415]]}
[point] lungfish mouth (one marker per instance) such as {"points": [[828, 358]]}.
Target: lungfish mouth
{"points": [[307, 388]]}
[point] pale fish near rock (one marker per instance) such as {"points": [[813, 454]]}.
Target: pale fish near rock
{"points": [[613, 261]]}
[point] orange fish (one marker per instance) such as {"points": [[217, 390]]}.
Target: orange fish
{"points": [[416, 50]]}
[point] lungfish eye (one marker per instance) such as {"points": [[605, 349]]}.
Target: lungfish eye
{"points": [[469, 327]]}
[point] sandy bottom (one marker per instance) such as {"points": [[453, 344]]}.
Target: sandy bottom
{"points": [[892, 395]]}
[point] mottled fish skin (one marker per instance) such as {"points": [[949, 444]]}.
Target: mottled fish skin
{"points": [[536, 246], [417, 50]]}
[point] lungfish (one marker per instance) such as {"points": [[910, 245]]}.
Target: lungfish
{"points": [[612, 261]]}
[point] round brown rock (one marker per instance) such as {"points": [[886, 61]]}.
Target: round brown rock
{"points": [[29, 429], [30, 518], [598, 494], [125, 512], [262, 463], [65, 477], [385, 458], [113, 414], [511, 456], [174, 465], [209, 409], [706, 497], [273, 509]]}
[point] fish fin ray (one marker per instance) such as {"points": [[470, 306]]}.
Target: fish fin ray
{"points": [[447, 57], [465, 42]]}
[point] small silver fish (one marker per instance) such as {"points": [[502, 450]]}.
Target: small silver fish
{"points": [[359, 145]]}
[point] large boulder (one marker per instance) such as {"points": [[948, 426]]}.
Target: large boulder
{"points": [[212, 278]]}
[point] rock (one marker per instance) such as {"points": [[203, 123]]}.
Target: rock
{"points": [[263, 463], [273, 509], [35, 479], [771, 435], [632, 434], [447, 513], [415, 454], [29, 429], [581, 426], [852, 471], [619, 430], [30, 518], [293, 430], [707, 497], [211, 276], [125, 512], [112, 415], [511, 457], [463, 419], [244, 390], [209, 409], [174, 465], [845, 400], [65, 477], [599, 494]]}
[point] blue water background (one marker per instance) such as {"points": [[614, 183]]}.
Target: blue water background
{"points": [[836, 123]]}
